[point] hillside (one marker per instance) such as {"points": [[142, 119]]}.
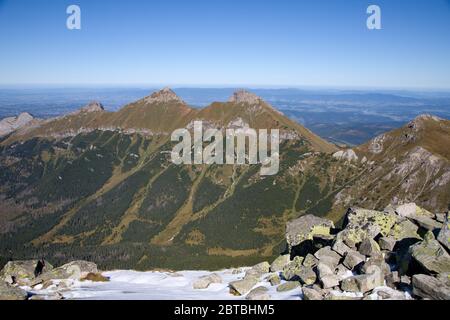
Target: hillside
{"points": [[100, 186]]}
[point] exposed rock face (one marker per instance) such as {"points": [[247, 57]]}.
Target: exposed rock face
{"points": [[165, 95], [311, 294], [11, 124], [346, 155], [93, 106], [243, 96], [305, 228]]}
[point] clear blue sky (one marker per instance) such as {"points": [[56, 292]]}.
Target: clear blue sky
{"points": [[226, 43]]}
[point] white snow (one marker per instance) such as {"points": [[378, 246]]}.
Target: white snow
{"points": [[134, 285]]}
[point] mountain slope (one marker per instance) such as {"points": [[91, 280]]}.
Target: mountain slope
{"points": [[100, 185]]}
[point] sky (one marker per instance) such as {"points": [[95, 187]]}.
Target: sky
{"points": [[265, 43]]}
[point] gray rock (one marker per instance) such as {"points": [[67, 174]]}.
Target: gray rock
{"points": [[290, 270], [363, 283], [369, 247], [324, 269], [378, 263], [310, 261], [329, 281], [427, 222], [440, 217], [431, 255], [340, 247], [73, 270], [341, 272], [411, 210], [263, 267], [22, 272], [305, 227], [306, 275], [352, 259], [405, 230], [387, 243], [288, 286], [363, 223], [242, 287], [328, 256], [311, 294], [392, 279], [444, 234], [274, 280], [259, 293], [429, 287], [8, 292], [205, 281], [279, 263]]}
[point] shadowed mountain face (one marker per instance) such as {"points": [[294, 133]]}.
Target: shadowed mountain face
{"points": [[100, 185]]}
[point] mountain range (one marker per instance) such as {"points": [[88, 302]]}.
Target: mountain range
{"points": [[100, 186]]}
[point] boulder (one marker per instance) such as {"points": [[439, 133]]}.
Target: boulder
{"points": [[328, 256], [288, 286], [362, 283], [329, 281], [305, 228], [74, 270], [444, 234], [427, 223], [23, 272], [205, 281], [362, 223], [352, 259], [428, 287], [310, 261], [259, 293], [324, 269], [342, 272], [369, 247], [95, 277], [8, 292], [242, 287], [279, 263], [311, 294], [387, 243], [411, 210], [263, 267], [340, 247], [290, 270], [405, 230], [440, 217], [431, 255], [274, 280], [378, 263], [306, 275]]}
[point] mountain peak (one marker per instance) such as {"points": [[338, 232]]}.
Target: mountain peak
{"points": [[243, 96], [93, 106], [163, 96]]}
